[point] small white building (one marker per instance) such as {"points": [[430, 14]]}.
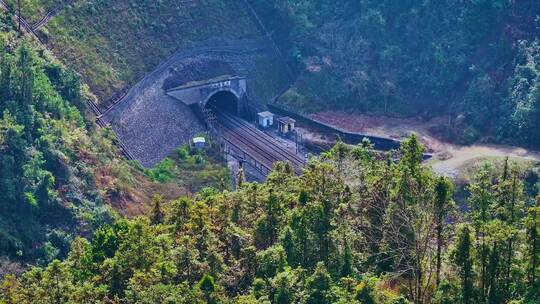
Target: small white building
{"points": [[265, 119], [285, 125], [199, 142]]}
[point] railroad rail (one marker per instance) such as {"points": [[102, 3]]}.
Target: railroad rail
{"points": [[257, 147]]}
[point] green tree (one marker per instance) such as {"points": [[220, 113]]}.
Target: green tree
{"points": [[56, 273], [443, 193], [462, 258], [207, 286], [347, 267], [6, 85], [157, 214], [271, 261], [532, 224], [267, 227], [25, 88], [365, 293], [284, 287], [318, 286], [481, 201]]}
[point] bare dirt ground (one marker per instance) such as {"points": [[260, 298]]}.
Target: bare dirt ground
{"points": [[390, 127], [448, 158]]}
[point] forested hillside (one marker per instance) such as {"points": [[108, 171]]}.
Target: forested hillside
{"points": [[59, 174], [80, 224], [47, 154], [475, 61], [355, 227]]}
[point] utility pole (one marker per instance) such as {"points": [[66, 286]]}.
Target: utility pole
{"points": [[296, 141]]}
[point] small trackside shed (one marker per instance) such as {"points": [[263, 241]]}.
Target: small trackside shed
{"points": [[285, 125], [265, 119], [199, 142]]}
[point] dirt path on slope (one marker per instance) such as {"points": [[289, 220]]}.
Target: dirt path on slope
{"points": [[458, 158], [448, 158]]}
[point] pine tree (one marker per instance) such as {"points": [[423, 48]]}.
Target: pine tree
{"points": [[463, 260], [25, 89], [318, 286], [240, 178], [287, 241], [157, 214], [443, 191], [268, 225], [510, 199], [6, 86], [284, 291], [303, 237], [56, 273], [347, 267], [481, 202], [303, 197], [532, 224], [364, 293], [180, 215], [207, 286]]}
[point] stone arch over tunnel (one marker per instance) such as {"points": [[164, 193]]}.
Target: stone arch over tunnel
{"points": [[223, 100]]}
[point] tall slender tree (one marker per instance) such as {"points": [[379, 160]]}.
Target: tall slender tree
{"points": [[532, 224], [443, 192], [480, 202], [463, 260]]}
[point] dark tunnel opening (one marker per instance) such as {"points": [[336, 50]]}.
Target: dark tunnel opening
{"points": [[223, 101]]}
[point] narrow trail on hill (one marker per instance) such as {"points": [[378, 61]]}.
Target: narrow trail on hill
{"points": [[461, 156], [448, 158]]}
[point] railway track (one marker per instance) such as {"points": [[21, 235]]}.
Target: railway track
{"points": [[247, 145], [269, 140], [256, 143], [45, 19]]}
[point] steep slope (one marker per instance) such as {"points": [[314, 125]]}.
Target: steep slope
{"points": [[49, 159], [60, 175], [474, 61], [115, 43]]}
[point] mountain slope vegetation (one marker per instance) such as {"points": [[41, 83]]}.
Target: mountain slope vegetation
{"points": [[79, 224], [47, 154], [475, 61], [59, 174], [353, 228], [113, 44]]}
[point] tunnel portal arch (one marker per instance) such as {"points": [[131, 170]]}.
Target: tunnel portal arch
{"points": [[201, 93], [224, 100]]}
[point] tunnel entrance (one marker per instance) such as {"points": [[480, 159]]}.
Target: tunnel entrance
{"points": [[223, 101]]}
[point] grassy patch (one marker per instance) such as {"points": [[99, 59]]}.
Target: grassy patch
{"points": [[115, 43], [470, 168], [192, 169]]}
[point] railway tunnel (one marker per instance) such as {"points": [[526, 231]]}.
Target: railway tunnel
{"points": [[223, 101], [224, 93], [225, 97]]}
